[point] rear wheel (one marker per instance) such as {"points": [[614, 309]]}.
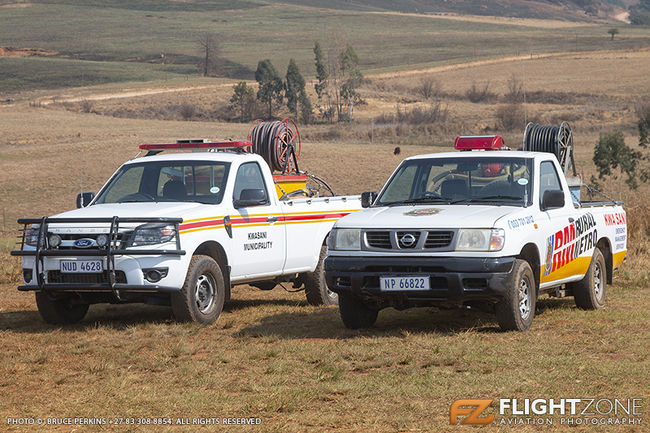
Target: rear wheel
{"points": [[202, 296], [316, 289], [589, 293], [515, 312], [60, 311], [355, 314]]}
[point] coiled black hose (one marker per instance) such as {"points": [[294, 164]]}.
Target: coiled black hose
{"points": [[278, 143], [557, 140]]}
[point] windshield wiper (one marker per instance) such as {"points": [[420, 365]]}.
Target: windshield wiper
{"points": [[417, 200], [486, 198]]}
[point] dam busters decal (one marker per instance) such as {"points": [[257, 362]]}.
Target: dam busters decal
{"points": [[571, 242]]}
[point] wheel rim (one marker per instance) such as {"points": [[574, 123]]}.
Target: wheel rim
{"points": [[204, 292], [598, 281], [524, 299]]}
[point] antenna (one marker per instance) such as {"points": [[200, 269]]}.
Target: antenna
{"points": [[523, 73]]}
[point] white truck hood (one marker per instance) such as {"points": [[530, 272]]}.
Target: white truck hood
{"points": [[133, 210], [430, 216], [126, 210]]}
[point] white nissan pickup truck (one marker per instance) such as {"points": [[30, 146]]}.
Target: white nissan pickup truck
{"points": [[490, 229], [179, 229]]}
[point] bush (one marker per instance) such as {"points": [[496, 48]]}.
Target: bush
{"points": [[476, 94], [429, 88], [435, 113], [515, 91], [187, 111], [510, 117], [86, 106]]}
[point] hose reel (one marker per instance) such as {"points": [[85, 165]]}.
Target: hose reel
{"points": [[557, 140], [278, 143]]}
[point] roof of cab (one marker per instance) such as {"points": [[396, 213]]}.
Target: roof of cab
{"points": [[197, 156]]}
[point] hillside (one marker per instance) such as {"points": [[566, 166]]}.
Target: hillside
{"points": [[76, 43]]}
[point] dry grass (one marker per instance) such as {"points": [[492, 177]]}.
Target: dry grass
{"points": [[270, 355]]}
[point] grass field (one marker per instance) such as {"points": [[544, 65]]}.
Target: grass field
{"points": [[270, 355], [136, 38]]}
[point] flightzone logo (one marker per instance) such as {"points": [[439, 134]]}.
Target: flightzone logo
{"points": [[566, 245], [542, 411]]}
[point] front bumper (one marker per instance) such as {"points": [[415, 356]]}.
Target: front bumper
{"points": [[118, 261], [453, 280]]}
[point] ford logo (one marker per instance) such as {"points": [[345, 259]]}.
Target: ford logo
{"points": [[407, 240], [84, 243]]}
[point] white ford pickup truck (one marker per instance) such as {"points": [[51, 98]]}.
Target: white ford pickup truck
{"points": [[179, 229], [489, 229]]}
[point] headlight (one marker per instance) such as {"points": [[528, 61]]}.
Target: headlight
{"points": [[31, 236], [480, 240], [151, 234], [344, 239]]}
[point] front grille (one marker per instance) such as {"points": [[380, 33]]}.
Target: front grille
{"points": [[379, 240], [69, 238], [438, 239], [405, 241], [57, 277]]}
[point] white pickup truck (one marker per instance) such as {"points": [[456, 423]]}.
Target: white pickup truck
{"points": [[484, 228], [179, 229]]}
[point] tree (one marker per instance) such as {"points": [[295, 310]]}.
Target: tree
{"points": [[270, 85], [321, 70], [243, 101], [611, 153], [643, 112], [613, 32], [294, 86], [306, 110], [210, 62], [351, 79]]}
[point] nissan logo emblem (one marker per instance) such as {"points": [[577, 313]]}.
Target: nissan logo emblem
{"points": [[407, 240]]}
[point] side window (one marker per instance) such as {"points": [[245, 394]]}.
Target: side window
{"points": [[250, 182], [548, 179]]}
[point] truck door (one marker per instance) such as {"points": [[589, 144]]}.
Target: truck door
{"points": [[558, 228], [259, 245]]}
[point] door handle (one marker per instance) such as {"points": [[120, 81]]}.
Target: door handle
{"points": [[271, 219]]}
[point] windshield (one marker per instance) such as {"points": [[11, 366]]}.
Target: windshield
{"points": [[460, 180], [173, 181]]}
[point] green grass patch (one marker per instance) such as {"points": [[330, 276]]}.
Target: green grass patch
{"points": [[30, 73], [128, 32]]}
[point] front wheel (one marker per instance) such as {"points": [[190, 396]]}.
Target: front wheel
{"points": [[316, 289], [589, 293], [355, 314], [516, 310], [202, 296], [60, 311]]}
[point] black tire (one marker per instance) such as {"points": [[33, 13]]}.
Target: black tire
{"points": [[515, 312], [316, 289], [202, 296], [355, 314], [590, 292], [60, 311]]}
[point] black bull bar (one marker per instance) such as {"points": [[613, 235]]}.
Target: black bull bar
{"points": [[112, 249]]}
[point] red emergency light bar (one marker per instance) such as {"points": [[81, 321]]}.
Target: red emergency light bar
{"points": [[481, 142], [190, 144]]}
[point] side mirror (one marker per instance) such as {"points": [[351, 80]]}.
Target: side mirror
{"points": [[250, 197], [84, 199], [552, 199], [368, 198]]}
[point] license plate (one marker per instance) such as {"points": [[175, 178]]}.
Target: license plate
{"points": [[81, 266], [404, 283]]}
